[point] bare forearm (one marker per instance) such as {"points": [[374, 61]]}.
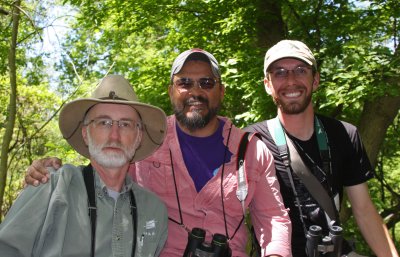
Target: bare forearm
{"points": [[370, 222], [375, 233]]}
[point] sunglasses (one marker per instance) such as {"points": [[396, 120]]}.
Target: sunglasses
{"points": [[188, 83]]}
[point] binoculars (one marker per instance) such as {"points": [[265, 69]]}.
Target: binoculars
{"points": [[327, 246], [197, 247]]}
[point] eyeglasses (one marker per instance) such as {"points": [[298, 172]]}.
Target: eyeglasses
{"points": [[106, 124], [188, 83], [282, 73]]}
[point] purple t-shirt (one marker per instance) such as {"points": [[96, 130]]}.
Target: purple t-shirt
{"points": [[203, 155]]}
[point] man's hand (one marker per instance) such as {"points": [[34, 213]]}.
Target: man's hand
{"points": [[37, 172]]}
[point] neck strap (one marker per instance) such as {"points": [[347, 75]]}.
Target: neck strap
{"points": [[278, 133], [312, 184]]}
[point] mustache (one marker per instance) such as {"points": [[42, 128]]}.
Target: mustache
{"points": [[195, 99], [113, 144]]}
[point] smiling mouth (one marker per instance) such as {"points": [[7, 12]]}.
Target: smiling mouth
{"points": [[196, 103], [292, 94], [196, 108]]}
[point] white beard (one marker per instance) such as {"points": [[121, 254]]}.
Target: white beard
{"points": [[110, 159]]}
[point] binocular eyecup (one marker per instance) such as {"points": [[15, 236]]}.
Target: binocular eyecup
{"points": [[328, 246], [197, 247]]}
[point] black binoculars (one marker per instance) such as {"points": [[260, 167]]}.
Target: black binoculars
{"points": [[197, 247], [327, 246]]}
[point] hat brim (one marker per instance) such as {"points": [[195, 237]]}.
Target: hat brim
{"points": [[154, 125]]}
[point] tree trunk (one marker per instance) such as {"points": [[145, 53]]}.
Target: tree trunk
{"points": [[375, 120], [12, 104], [270, 24]]}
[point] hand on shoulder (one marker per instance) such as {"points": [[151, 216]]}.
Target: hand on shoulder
{"points": [[37, 172]]}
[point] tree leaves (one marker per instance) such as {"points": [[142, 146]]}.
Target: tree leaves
{"points": [[355, 42]]}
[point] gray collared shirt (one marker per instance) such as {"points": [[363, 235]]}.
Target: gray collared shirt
{"points": [[52, 220]]}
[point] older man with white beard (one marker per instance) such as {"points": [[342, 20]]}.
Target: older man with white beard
{"points": [[112, 129]]}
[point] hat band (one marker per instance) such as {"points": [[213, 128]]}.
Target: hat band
{"points": [[113, 96]]}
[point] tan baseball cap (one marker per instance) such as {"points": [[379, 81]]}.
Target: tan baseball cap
{"points": [[289, 49]]}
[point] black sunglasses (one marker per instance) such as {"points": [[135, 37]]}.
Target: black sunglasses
{"points": [[188, 83]]}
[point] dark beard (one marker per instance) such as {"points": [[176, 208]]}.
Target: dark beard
{"points": [[197, 121], [293, 108]]}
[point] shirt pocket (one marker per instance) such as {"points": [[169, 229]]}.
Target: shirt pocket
{"points": [[230, 185], [155, 173], [147, 243]]}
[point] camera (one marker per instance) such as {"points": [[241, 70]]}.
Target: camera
{"points": [[197, 247], [327, 246]]}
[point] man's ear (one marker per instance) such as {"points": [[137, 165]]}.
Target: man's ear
{"points": [[267, 85], [138, 140], [222, 89], [315, 83], [84, 134], [170, 93]]}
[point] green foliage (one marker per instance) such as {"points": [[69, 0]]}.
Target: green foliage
{"points": [[36, 105], [354, 41]]}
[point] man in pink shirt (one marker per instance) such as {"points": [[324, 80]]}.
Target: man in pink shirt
{"points": [[195, 170]]}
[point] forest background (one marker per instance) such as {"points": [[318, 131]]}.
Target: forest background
{"points": [[356, 44]]}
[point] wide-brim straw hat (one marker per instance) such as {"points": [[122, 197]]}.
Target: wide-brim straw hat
{"points": [[114, 89]]}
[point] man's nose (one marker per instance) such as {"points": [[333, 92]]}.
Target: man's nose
{"points": [[196, 89], [115, 130], [291, 77]]}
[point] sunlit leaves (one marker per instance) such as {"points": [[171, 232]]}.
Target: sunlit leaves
{"points": [[354, 41]]}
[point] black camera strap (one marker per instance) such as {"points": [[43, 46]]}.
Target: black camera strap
{"points": [[88, 177], [180, 223], [291, 158], [311, 182]]}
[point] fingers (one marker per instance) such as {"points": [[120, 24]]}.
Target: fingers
{"points": [[30, 181], [49, 162], [37, 173]]}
